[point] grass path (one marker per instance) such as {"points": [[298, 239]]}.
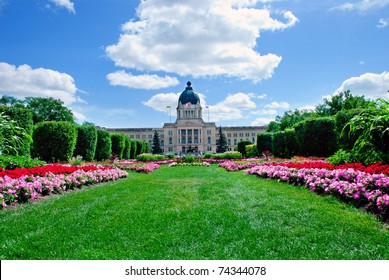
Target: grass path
{"points": [[191, 213]]}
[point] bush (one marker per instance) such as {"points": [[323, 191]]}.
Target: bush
{"points": [[86, 142], [118, 144], [251, 150], [207, 155], [189, 158], [12, 162], [316, 137], [149, 157], [264, 142], [104, 146], [242, 147], [284, 144], [170, 156], [133, 150], [127, 148], [227, 155], [54, 141], [340, 157], [345, 140]]}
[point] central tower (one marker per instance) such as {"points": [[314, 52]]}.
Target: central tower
{"points": [[189, 106]]}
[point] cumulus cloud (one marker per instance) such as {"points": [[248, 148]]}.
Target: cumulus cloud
{"points": [[370, 85], [362, 5], [122, 78], [207, 38], [24, 81], [67, 4], [382, 23], [160, 101], [278, 105], [262, 121]]}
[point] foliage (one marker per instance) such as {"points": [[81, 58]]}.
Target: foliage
{"points": [[242, 147], [86, 142], [251, 151], [316, 137], [345, 140], [48, 109], [104, 145], [127, 148], [54, 141], [75, 161], [341, 101], [156, 148], [133, 150], [371, 130], [189, 158], [227, 155], [221, 142], [264, 142], [11, 136], [21, 117], [207, 155], [118, 144], [341, 156], [150, 157], [12, 162], [141, 147], [170, 156]]}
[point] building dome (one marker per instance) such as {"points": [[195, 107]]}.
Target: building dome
{"points": [[189, 96]]}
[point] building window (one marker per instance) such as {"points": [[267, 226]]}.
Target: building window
{"points": [[235, 142], [170, 140], [235, 134], [170, 132], [150, 136], [241, 134], [209, 149], [209, 140], [137, 136], [229, 142], [170, 149], [161, 136], [247, 134], [253, 134], [228, 134], [209, 132], [131, 136], [143, 136]]}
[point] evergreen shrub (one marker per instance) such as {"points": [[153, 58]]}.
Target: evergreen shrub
{"points": [[118, 144], [264, 142], [104, 145], [86, 142], [54, 141]]}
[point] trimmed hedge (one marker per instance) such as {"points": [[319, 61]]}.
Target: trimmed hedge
{"points": [[284, 143], [316, 137], [242, 147], [133, 149], [264, 142], [251, 150], [127, 148], [54, 141], [86, 142], [104, 145], [24, 119], [118, 144]]}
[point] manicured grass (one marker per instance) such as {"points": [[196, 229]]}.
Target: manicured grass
{"points": [[191, 213]]}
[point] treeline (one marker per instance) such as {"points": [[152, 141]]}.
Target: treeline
{"points": [[345, 128], [44, 128]]}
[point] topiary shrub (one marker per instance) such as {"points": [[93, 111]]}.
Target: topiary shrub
{"points": [[86, 142], [104, 145], [242, 147], [133, 149], [54, 141], [118, 144], [127, 148], [264, 142]]}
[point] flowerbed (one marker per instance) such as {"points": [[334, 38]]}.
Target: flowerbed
{"points": [[31, 186], [139, 166], [175, 164], [360, 188]]}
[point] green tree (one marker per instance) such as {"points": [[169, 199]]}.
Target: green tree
{"points": [[11, 136], [10, 101], [221, 143], [156, 148], [48, 109]]}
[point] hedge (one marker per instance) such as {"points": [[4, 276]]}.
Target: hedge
{"points": [[104, 145], [242, 147], [118, 144], [54, 141], [133, 149], [316, 137], [127, 148], [264, 142], [86, 142]]}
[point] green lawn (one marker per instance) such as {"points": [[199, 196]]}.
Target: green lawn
{"points": [[191, 213]]}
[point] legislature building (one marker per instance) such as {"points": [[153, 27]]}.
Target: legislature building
{"points": [[189, 133]]}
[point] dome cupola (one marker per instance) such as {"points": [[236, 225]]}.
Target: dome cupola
{"points": [[188, 96]]}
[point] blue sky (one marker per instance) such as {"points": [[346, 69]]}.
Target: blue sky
{"points": [[119, 63]]}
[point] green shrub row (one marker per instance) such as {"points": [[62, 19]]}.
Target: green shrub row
{"points": [[314, 137]]}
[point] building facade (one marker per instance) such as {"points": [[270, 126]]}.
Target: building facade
{"points": [[189, 133]]}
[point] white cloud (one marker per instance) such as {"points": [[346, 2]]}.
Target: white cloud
{"points": [[24, 81], [159, 102], [370, 85], [278, 105], [121, 78], [206, 38], [362, 5], [262, 121], [67, 4], [382, 23], [265, 112]]}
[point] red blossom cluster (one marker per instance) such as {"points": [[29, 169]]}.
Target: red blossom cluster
{"points": [[43, 170], [376, 168]]}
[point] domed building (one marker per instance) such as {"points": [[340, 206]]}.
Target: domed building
{"points": [[189, 133]]}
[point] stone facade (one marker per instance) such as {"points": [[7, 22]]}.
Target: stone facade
{"points": [[189, 133]]}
